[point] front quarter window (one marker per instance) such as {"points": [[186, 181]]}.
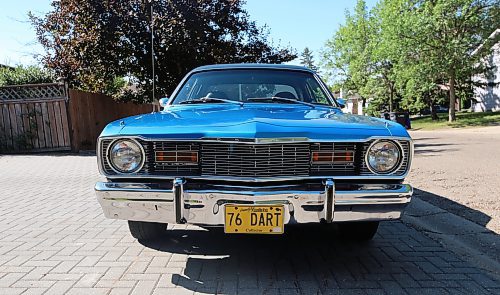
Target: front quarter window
{"points": [[316, 92]]}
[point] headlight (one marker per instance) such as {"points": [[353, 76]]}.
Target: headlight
{"points": [[126, 156], [383, 157]]}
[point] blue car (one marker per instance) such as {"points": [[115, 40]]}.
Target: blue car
{"points": [[252, 148]]}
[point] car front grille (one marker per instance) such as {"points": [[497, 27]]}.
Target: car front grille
{"points": [[255, 160], [250, 160]]}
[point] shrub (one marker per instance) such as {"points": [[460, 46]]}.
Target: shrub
{"points": [[25, 75]]}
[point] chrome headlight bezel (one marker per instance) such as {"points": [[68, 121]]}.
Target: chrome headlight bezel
{"points": [[113, 165], [398, 164]]}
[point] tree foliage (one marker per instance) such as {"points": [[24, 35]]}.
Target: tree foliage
{"points": [[91, 43], [20, 75], [417, 51], [348, 54], [307, 59]]}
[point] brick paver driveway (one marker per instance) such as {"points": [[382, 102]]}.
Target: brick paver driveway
{"points": [[54, 240]]}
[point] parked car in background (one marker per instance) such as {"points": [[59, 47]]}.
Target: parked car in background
{"points": [[441, 109], [252, 148], [438, 108]]}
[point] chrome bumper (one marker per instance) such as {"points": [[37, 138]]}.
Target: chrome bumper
{"points": [[201, 203]]}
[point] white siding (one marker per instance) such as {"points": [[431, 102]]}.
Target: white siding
{"points": [[488, 97]]}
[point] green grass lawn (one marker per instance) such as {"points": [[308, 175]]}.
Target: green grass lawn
{"points": [[463, 120]]}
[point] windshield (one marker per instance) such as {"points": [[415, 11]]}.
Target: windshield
{"points": [[252, 86]]}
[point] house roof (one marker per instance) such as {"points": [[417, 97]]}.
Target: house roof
{"points": [[494, 35]]}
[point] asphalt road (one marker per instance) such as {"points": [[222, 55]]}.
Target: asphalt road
{"points": [[459, 170]]}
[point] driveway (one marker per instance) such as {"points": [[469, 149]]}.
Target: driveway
{"points": [[54, 240]]}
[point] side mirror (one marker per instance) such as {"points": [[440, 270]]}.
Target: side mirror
{"points": [[163, 101], [341, 102]]}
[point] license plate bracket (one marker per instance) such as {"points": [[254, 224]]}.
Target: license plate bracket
{"points": [[254, 219]]}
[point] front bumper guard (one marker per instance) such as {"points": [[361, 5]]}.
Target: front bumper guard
{"points": [[182, 202]]}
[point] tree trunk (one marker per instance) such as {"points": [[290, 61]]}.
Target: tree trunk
{"points": [[451, 117], [434, 115], [391, 95]]}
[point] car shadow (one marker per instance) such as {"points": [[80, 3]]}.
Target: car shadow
{"points": [[307, 259], [432, 149], [219, 263], [458, 209], [423, 138]]}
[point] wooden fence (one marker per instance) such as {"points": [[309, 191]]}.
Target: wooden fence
{"points": [[48, 117], [89, 113]]}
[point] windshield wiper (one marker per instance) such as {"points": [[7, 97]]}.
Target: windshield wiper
{"points": [[276, 98], [210, 99]]}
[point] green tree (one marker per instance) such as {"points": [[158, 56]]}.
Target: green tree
{"points": [[92, 43], [406, 76], [444, 34], [403, 53], [347, 56], [307, 59]]}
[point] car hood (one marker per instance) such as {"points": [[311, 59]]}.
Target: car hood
{"points": [[252, 121]]}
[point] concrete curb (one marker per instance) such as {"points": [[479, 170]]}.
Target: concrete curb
{"points": [[471, 241]]}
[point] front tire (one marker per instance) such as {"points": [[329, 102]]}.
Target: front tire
{"points": [[358, 231], [146, 231]]}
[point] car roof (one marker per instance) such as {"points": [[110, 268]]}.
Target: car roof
{"points": [[251, 66]]}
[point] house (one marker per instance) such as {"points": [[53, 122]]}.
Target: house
{"points": [[487, 98], [354, 105], [353, 102]]}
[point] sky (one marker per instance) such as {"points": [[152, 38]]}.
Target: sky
{"points": [[301, 23], [295, 23]]}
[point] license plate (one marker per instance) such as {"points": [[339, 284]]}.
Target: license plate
{"points": [[253, 219]]}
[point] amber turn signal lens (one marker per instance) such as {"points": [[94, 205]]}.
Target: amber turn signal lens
{"points": [[331, 157], [344, 156], [187, 157], [180, 157], [322, 157]]}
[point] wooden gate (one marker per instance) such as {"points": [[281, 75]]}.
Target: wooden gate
{"points": [[34, 117]]}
